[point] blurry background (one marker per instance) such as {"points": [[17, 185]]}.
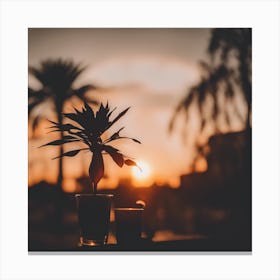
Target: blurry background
{"points": [[190, 96]]}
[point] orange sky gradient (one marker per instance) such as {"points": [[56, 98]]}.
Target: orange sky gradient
{"points": [[148, 70]]}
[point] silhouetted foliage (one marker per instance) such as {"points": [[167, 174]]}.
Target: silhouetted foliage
{"points": [[226, 76], [56, 77], [88, 129], [223, 97]]}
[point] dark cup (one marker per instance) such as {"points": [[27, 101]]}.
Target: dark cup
{"points": [[94, 218], [128, 225]]}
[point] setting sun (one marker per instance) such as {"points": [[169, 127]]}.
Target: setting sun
{"points": [[142, 172]]}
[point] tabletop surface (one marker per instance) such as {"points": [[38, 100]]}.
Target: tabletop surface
{"points": [[144, 245]]}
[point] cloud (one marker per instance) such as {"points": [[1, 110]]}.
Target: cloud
{"points": [[158, 74]]}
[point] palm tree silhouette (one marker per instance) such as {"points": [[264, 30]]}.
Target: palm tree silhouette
{"points": [[56, 77], [223, 96], [226, 76]]}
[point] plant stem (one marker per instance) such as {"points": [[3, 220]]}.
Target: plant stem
{"points": [[94, 188]]}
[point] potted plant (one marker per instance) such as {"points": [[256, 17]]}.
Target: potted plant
{"points": [[88, 128]]}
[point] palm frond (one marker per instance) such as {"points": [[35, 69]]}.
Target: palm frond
{"points": [[81, 91], [58, 76], [225, 76]]}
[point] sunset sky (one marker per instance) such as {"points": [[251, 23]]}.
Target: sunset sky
{"points": [[147, 69]]}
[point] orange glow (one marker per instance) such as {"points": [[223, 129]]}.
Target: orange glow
{"points": [[142, 175], [142, 172], [151, 78]]}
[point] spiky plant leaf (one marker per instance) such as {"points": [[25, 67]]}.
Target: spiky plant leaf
{"points": [[115, 155], [118, 117], [130, 162], [123, 137], [90, 128], [64, 140], [115, 136], [69, 154]]}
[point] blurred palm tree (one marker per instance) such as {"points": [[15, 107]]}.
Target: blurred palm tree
{"points": [[221, 100], [224, 93], [56, 78]]}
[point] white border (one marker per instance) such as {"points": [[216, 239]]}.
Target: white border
{"points": [[17, 16]]}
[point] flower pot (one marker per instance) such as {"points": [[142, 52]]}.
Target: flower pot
{"points": [[128, 225], [94, 218]]}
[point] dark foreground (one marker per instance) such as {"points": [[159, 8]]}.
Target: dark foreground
{"points": [[188, 245]]}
